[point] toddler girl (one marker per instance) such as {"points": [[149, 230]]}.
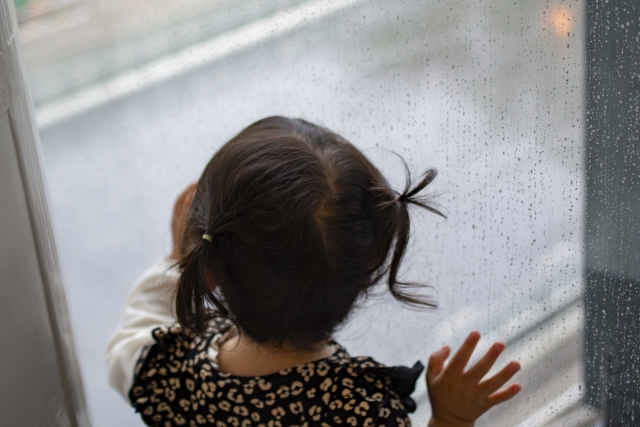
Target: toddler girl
{"points": [[288, 226]]}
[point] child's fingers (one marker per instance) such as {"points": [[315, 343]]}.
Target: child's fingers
{"points": [[183, 202], [461, 358], [178, 220], [436, 362], [187, 193], [499, 379], [503, 395], [480, 369]]}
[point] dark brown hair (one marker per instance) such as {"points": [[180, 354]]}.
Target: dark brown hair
{"points": [[301, 224]]}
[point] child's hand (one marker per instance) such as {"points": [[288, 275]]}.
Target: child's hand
{"points": [[459, 397], [179, 219]]}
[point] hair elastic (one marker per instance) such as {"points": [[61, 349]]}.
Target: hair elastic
{"points": [[207, 237]]}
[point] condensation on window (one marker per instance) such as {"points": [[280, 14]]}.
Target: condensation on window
{"points": [[509, 100]]}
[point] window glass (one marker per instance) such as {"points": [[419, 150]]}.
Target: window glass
{"points": [[133, 98]]}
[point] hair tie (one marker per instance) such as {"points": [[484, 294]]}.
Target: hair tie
{"points": [[402, 198], [207, 237]]}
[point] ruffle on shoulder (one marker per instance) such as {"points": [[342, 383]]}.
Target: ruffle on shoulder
{"points": [[402, 381], [167, 335]]}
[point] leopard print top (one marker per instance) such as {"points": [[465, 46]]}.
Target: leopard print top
{"points": [[176, 384]]}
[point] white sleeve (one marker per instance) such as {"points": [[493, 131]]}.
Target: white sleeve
{"points": [[148, 306]]}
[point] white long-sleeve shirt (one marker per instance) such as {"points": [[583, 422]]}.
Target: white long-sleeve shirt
{"points": [[148, 306]]}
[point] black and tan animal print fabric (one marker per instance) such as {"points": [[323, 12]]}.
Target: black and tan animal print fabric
{"points": [[176, 385]]}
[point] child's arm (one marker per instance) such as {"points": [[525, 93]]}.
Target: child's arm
{"points": [[459, 397], [149, 305]]}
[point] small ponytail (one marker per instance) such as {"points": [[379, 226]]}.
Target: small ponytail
{"points": [[194, 293], [402, 232]]}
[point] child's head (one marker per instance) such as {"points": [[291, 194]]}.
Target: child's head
{"points": [[301, 224]]}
